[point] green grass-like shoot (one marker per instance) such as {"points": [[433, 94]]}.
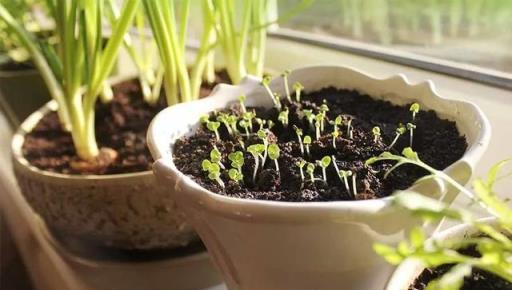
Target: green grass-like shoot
{"points": [[273, 154], [286, 86], [214, 127], [324, 163], [283, 117], [241, 101], [376, 134], [298, 87], [400, 130], [307, 142]]}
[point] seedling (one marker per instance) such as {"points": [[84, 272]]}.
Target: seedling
{"points": [[283, 117], [323, 111], [335, 135], [310, 169], [411, 127], [376, 134], [204, 119], [256, 150], [299, 133], [237, 159], [248, 116], [350, 133], [241, 100], [216, 157], [273, 154], [301, 165], [324, 163], [270, 124], [262, 134], [245, 125], [214, 127], [298, 87], [277, 100], [415, 109], [354, 185], [286, 87], [223, 118], [318, 123], [232, 120], [400, 130], [213, 170], [235, 175], [310, 117], [307, 143], [265, 83], [337, 122], [260, 122]]}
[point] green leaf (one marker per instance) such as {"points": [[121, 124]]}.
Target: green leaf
{"points": [[325, 161], [453, 280], [410, 154], [388, 253], [307, 140], [273, 151], [417, 237], [215, 155], [415, 108], [206, 164]]}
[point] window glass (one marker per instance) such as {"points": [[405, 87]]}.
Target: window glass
{"points": [[477, 32]]}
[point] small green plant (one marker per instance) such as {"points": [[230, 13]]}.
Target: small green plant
{"points": [[283, 117], [214, 127], [336, 123], [301, 165], [318, 125], [260, 122], [241, 101], [411, 127], [415, 109], [275, 99], [376, 134], [323, 112], [232, 121], [310, 117], [298, 87], [494, 245], [213, 170], [343, 175], [335, 136], [286, 86], [237, 159], [256, 151], [216, 157], [324, 163], [224, 119], [273, 154], [249, 116], [310, 169], [299, 134], [350, 130], [235, 175], [245, 125], [262, 134], [307, 142], [400, 130]]}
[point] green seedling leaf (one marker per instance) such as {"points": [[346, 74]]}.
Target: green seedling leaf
{"points": [[298, 87], [273, 151], [235, 175], [237, 159]]}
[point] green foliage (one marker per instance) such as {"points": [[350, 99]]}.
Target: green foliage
{"points": [[283, 117], [237, 159], [214, 127], [298, 87], [324, 163], [235, 175], [494, 245], [376, 134], [415, 109], [286, 86], [307, 142], [301, 163], [273, 154], [400, 130], [213, 170], [310, 169]]}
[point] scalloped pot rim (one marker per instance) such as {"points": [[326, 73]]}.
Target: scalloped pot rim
{"points": [[171, 123]]}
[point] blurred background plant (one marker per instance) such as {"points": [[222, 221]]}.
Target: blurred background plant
{"points": [[460, 30]]}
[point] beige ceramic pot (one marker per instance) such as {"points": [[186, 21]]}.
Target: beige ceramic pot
{"points": [[128, 211], [272, 245]]}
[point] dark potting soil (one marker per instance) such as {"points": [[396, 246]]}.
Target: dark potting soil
{"points": [[121, 125], [437, 142], [478, 280], [10, 65]]}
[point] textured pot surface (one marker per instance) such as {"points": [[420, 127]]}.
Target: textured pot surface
{"points": [[129, 211], [317, 245], [410, 269]]}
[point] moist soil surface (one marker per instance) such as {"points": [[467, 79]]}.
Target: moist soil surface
{"points": [[478, 280], [121, 125], [437, 142]]}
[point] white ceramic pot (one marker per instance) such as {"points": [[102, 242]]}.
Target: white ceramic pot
{"points": [[272, 245], [407, 272], [128, 211]]}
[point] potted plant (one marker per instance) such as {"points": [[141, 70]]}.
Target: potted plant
{"points": [[70, 189], [15, 68], [474, 255], [219, 168]]}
